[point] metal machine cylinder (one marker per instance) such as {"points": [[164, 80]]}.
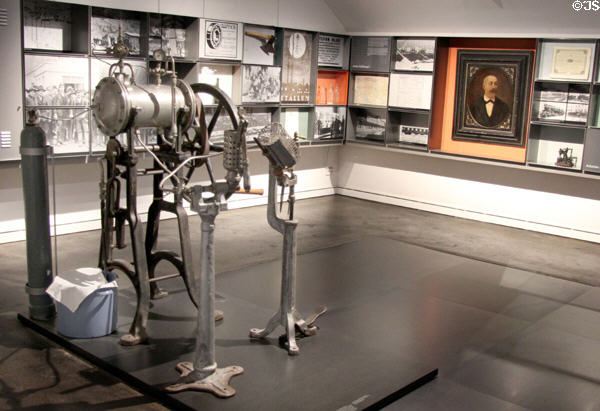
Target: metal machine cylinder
{"points": [[119, 105], [37, 225]]}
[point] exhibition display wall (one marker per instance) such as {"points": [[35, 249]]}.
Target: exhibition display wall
{"points": [[400, 98]]}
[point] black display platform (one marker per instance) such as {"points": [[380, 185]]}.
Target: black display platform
{"points": [[365, 354]]}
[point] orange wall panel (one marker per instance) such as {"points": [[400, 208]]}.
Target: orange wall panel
{"points": [[332, 88]]}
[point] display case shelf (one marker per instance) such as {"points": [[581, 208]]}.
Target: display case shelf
{"points": [[177, 36], [546, 143], [55, 27], [332, 88], [565, 60], [263, 45], [366, 124], [106, 24], [370, 54]]}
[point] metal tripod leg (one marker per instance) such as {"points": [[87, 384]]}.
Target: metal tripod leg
{"points": [[203, 374]]}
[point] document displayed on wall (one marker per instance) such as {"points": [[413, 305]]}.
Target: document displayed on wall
{"points": [[295, 74], [46, 26], [331, 51], [220, 39], [410, 90], [370, 90], [571, 63]]}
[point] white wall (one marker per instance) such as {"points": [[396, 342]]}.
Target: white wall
{"points": [[498, 193], [77, 191], [305, 14]]}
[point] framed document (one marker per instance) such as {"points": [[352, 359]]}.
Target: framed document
{"points": [[410, 90], [572, 63], [331, 51], [220, 39], [370, 90]]}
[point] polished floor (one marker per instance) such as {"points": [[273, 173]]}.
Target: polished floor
{"points": [[506, 324]]}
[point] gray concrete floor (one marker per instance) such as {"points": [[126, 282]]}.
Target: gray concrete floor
{"points": [[507, 340]]}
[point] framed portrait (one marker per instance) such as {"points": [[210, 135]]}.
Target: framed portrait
{"points": [[492, 96]]}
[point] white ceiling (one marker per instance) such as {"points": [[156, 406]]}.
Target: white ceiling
{"points": [[489, 18]]}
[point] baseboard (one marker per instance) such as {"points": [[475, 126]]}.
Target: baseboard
{"points": [[472, 215], [90, 220]]}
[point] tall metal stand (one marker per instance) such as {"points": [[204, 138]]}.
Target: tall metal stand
{"points": [[203, 374], [287, 315]]}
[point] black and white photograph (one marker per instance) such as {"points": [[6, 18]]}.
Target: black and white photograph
{"points": [[331, 51], [67, 130], [413, 134], [295, 74], [549, 110], [56, 81], [259, 45], [552, 95], [577, 113], [414, 54], [101, 66], [578, 97], [261, 84], [46, 26], [330, 123], [105, 32], [369, 127], [257, 120], [220, 39]]}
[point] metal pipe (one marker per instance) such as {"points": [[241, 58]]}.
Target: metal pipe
{"points": [[204, 359]]}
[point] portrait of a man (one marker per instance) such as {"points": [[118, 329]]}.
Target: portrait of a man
{"points": [[492, 92], [488, 109]]}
